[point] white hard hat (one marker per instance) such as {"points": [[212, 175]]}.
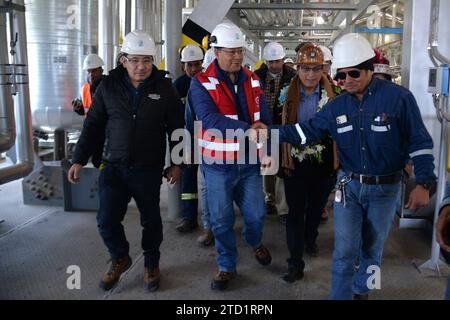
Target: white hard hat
{"points": [[382, 68], [288, 60], [140, 43], [351, 50], [191, 52], [92, 61], [227, 35], [327, 56], [273, 51], [209, 57]]}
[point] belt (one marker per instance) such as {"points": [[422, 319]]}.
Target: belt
{"points": [[368, 179]]}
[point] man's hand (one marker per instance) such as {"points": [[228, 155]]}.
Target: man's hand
{"points": [[258, 132], [173, 174], [419, 197], [443, 228], [267, 166], [74, 173], [77, 106]]}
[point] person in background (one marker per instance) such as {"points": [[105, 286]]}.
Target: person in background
{"points": [[192, 59], [443, 232], [275, 76]]}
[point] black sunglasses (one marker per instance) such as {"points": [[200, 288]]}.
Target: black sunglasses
{"points": [[353, 73]]}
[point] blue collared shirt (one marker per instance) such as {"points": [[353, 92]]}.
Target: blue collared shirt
{"points": [[375, 136], [308, 104]]}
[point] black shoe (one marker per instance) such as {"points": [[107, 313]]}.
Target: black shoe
{"points": [[283, 218], [293, 274], [271, 209], [222, 280], [263, 255], [357, 296], [186, 226], [312, 250]]}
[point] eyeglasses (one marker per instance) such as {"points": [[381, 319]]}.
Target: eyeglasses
{"points": [[352, 73], [315, 69], [146, 62], [232, 52]]}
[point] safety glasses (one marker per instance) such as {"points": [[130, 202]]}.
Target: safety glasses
{"points": [[352, 73]]}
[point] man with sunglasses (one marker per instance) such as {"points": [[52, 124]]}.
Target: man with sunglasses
{"points": [[136, 107], [227, 98], [274, 75], [377, 126]]}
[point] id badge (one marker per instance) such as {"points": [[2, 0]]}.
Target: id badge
{"points": [[338, 196]]}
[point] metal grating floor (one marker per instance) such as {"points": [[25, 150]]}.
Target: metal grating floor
{"points": [[37, 244]]}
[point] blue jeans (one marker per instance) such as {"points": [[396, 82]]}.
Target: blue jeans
{"points": [[242, 184], [360, 229], [116, 188], [206, 217]]}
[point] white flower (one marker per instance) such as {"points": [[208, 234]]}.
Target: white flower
{"points": [[323, 100]]}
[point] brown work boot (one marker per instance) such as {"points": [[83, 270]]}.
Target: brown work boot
{"points": [[151, 279], [112, 276], [186, 226], [222, 280], [263, 255], [206, 238]]}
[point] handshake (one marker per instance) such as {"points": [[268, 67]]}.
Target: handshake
{"points": [[258, 132]]}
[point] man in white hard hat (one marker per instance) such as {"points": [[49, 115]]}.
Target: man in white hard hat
{"points": [[191, 59], [227, 97], [289, 62], [136, 107], [274, 76], [93, 65], [377, 127]]}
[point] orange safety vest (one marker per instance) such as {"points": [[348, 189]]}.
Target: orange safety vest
{"points": [[215, 147], [86, 97]]}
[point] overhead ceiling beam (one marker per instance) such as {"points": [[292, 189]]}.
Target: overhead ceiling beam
{"points": [[293, 28], [295, 6], [362, 6], [293, 39]]}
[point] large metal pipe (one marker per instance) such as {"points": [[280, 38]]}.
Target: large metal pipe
{"points": [[173, 16], [434, 33], [105, 35], [24, 138], [115, 30], [127, 16], [7, 125]]}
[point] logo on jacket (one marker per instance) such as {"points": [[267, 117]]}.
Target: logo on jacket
{"points": [[154, 96]]}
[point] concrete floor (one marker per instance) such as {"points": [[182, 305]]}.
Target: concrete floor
{"points": [[38, 244]]}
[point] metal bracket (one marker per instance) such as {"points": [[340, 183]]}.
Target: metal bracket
{"points": [[8, 6]]}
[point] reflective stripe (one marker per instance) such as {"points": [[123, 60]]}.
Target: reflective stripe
{"points": [[189, 196], [232, 116], [213, 80], [257, 116], [255, 83], [217, 146], [345, 129], [421, 153], [300, 132], [381, 128], [209, 86]]}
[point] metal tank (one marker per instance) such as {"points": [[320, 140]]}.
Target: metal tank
{"points": [[60, 35]]}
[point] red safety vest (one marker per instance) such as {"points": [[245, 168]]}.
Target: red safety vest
{"points": [[215, 147]]}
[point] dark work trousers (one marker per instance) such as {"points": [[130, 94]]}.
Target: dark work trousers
{"points": [[307, 191], [117, 185], [189, 192]]}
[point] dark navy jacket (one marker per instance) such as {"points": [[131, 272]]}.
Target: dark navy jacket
{"points": [[374, 136]]}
